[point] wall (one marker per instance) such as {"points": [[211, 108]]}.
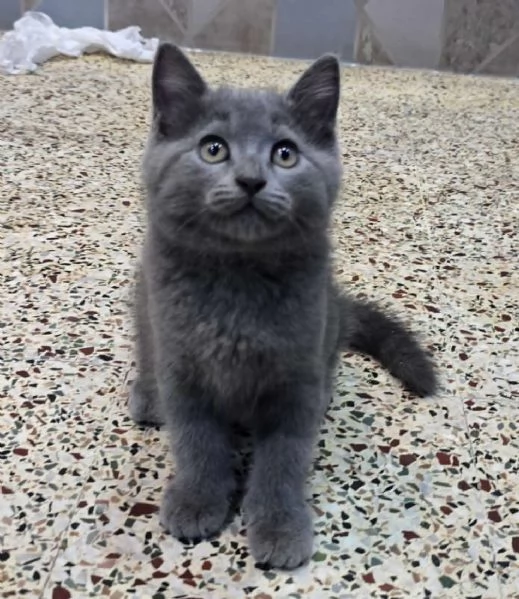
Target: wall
{"points": [[470, 36]]}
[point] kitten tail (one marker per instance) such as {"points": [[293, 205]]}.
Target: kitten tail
{"points": [[366, 329]]}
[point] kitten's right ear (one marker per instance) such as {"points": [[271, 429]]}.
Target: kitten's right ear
{"points": [[177, 90]]}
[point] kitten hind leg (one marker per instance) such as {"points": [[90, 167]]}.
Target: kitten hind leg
{"points": [[143, 404]]}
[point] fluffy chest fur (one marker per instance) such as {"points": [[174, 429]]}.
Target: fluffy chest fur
{"points": [[238, 327]]}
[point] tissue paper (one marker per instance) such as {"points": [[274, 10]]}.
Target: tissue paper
{"points": [[36, 38]]}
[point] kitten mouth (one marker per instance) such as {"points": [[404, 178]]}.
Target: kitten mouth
{"points": [[248, 207], [247, 213], [246, 224], [273, 209], [257, 210], [270, 210]]}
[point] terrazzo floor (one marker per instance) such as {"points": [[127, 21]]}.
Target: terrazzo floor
{"points": [[412, 497]]}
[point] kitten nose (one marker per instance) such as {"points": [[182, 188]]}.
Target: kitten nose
{"points": [[251, 185]]}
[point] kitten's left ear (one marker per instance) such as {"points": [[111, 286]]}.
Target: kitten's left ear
{"points": [[315, 97], [177, 90]]}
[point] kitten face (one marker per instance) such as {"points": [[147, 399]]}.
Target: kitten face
{"points": [[235, 168]]}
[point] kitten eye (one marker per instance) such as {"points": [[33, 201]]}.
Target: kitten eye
{"points": [[214, 149], [285, 154]]}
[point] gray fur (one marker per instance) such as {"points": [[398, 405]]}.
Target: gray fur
{"points": [[238, 320]]}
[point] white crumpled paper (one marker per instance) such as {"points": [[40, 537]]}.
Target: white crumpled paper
{"points": [[35, 38]]}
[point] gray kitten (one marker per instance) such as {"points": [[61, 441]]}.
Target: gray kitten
{"points": [[238, 318]]}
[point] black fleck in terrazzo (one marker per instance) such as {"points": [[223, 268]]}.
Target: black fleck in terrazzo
{"points": [[412, 498]]}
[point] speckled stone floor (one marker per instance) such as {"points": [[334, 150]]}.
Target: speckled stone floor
{"points": [[412, 498]]}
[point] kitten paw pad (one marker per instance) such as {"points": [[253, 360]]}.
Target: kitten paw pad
{"points": [[285, 544], [192, 517]]}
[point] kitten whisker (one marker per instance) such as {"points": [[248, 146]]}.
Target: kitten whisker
{"points": [[192, 218]]}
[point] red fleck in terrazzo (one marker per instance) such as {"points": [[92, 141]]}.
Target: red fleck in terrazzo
{"points": [[412, 498]]}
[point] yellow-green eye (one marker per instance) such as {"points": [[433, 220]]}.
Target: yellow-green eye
{"points": [[214, 149], [285, 154]]}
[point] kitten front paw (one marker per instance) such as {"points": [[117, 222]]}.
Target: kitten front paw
{"points": [[193, 515], [282, 540], [144, 406]]}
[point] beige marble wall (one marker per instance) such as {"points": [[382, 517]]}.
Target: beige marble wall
{"points": [[230, 25], [481, 36], [240, 25], [468, 36], [408, 32], [368, 49], [156, 18]]}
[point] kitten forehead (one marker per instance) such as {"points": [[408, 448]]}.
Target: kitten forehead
{"points": [[257, 109]]}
